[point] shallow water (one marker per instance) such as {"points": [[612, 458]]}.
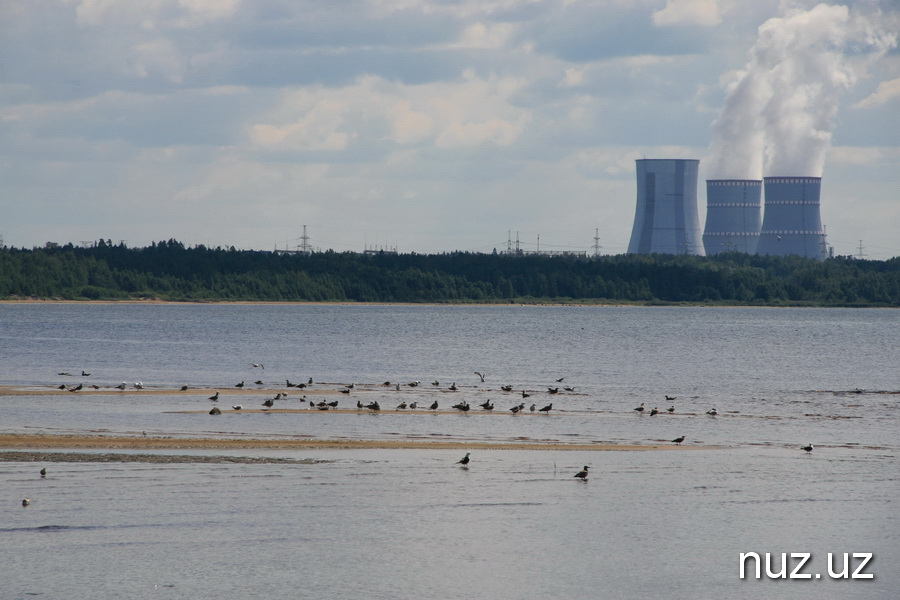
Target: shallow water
{"points": [[412, 523]]}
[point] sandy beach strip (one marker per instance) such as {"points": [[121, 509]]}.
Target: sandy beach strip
{"points": [[41, 441]]}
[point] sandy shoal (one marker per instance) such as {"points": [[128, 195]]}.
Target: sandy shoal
{"points": [[35, 441]]}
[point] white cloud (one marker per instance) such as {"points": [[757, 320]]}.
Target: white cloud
{"points": [[688, 12], [887, 92]]}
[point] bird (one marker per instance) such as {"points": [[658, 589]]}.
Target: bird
{"points": [[433, 406], [184, 388], [413, 405], [654, 412], [560, 380], [435, 382], [533, 406], [808, 448], [670, 398], [26, 501], [671, 409], [401, 406], [258, 365], [640, 408], [287, 383], [413, 384], [373, 405], [333, 404], [515, 409], [525, 394], [583, 473], [84, 374], [215, 411], [310, 382], [77, 388], [453, 387], [551, 390], [464, 461], [486, 405], [712, 412], [43, 472], [359, 405], [506, 388], [62, 387], [258, 382], [345, 391], [481, 375], [239, 385], [463, 406], [138, 385], [679, 439], [215, 397], [547, 408], [569, 388], [237, 407], [121, 386], [269, 403]]}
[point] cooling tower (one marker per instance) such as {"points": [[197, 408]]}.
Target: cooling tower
{"points": [[732, 215], [665, 221], [791, 221]]}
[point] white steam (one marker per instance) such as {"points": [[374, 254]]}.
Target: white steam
{"points": [[781, 109]]}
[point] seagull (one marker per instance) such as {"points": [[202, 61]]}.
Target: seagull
{"points": [[435, 382], [138, 385], [464, 461], [215, 411], [345, 391], [215, 397], [487, 405], [654, 412], [259, 365], [481, 375], [533, 406], [77, 388], [671, 409], [506, 388], [679, 439], [515, 409], [237, 407], [414, 404], [640, 408], [121, 386], [413, 384], [569, 388], [583, 474], [808, 448], [26, 501], [712, 412], [547, 408], [43, 472], [401, 406], [433, 406], [269, 403], [560, 380], [463, 406]]}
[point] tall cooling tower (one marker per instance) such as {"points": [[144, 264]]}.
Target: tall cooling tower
{"points": [[732, 215], [791, 222], [665, 221]]}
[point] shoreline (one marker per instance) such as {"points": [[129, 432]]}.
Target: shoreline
{"points": [[36, 442]]}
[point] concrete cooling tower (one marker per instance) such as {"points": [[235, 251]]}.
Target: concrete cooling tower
{"points": [[791, 222], [733, 213], [665, 221]]}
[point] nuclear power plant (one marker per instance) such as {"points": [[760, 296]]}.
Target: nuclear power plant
{"points": [[733, 214], [792, 223], [665, 221]]}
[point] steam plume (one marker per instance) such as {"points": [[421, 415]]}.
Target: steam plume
{"points": [[782, 107]]}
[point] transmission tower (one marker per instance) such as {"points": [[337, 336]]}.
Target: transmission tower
{"points": [[861, 255], [596, 247]]}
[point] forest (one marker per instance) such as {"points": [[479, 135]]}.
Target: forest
{"points": [[171, 271]]}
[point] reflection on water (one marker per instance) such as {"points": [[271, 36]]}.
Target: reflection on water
{"points": [[413, 523]]}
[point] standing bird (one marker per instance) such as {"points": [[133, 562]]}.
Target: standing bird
{"points": [[464, 461], [239, 385], [808, 448], [533, 406], [671, 409], [433, 406], [414, 405], [138, 385], [583, 474], [184, 388], [401, 406], [26, 501], [43, 472], [640, 408], [547, 408], [654, 412], [481, 375], [215, 397], [525, 394], [678, 440]]}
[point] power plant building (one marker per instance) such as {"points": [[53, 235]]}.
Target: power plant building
{"points": [[733, 215], [665, 220], [792, 223]]}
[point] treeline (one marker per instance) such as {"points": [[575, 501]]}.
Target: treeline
{"points": [[171, 271]]}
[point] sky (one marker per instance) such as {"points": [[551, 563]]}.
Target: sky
{"points": [[433, 125]]}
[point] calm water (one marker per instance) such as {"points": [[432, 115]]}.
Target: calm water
{"points": [[412, 524]]}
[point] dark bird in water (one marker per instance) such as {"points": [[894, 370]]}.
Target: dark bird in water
{"points": [[43, 472], [463, 406], [269, 403], [287, 382], [569, 388], [583, 474], [670, 398], [435, 382], [345, 391], [464, 461], [413, 384], [671, 409], [401, 406], [551, 390], [215, 411], [679, 439], [333, 404], [373, 406], [258, 382], [506, 388], [26, 501], [302, 386], [640, 408], [808, 448], [184, 388], [525, 394], [62, 387], [712, 412], [481, 375], [83, 374], [239, 385], [65, 373], [215, 397], [654, 412], [237, 407], [486, 405], [433, 406], [77, 388], [560, 380], [453, 387], [547, 409]]}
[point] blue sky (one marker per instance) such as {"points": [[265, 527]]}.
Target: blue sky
{"points": [[431, 126]]}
